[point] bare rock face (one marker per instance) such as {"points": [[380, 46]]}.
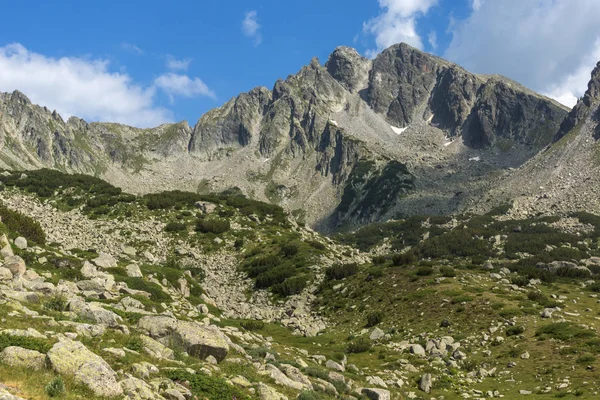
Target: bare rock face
{"points": [[71, 358]]}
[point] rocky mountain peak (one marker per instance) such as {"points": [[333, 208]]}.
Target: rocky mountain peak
{"points": [[593, 92], [349, 68]]}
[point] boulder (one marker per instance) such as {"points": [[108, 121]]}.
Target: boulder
{"points": [[135, 388], [296, 375], [105, 260], [15, 264], [156, 349], [6, 395], [376, 334], [72, 358], [5, 274], [133, 271], [425, 383], [19, 357], [95, 312], [335, 366], [21, 243], [417, 349], [89, 270], [376, 394], [157, 326], [266, 392], [201, 341]]}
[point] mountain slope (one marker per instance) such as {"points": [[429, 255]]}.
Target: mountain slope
{"points": [[565, 176], [340, 144]]}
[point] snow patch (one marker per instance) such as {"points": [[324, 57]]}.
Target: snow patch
{"points": [[398, 130], [448, 143], [475, 158], [266, 159], [332, 122]]}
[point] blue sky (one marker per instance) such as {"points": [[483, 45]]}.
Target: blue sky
{"points": [[148, 62]]}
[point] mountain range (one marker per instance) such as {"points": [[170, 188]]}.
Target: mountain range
{"points": [[343, 144]]}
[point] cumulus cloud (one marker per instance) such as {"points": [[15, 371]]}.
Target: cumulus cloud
{"points": [[397, 23], [79, 86], [549, 46], [182, 85], [178, 65], [251, 27]]}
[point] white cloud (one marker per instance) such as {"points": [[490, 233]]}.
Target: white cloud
{"points": [[476, 4], [132, 48], [79, 86], [549, 46], [182, 85], [397, 23], [251, 27], [178, 65], [432, 38]]}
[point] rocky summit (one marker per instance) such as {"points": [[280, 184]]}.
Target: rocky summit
{"points": [[395, 228], [339, 145]]}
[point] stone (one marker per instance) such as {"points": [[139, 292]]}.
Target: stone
{"points": [[6, 395], [15, 264], [72, 358], [21, 243], [105, 260], [296, 375], [95, 312], [156, 349], [376, 334], [201, 341], [144, 370], [135, 388], [417, 349], [376, 394], [266, 392], [5, 274], [19, 357], [283, 379], [89, 270], [335, 366], [157, 326], [173, 394], [133, 271], [525, 356], [425, 383]]}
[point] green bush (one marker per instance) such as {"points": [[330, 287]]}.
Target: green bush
{"points": [[564, 331], [360, 345], [213, 225], [341, 271], [134, 343], [515, 330], [22, 225], [55, 387], [290, 249], [308, 395], [575, 273], [403, 259], [291, 286], [56, 303], [252, 325], [26, 342], [424, 271], [448, 272], [205, 386], [175, 227], [378, 260], [374, 318], [316, 245]]}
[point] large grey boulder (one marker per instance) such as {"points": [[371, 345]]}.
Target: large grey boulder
{"points": [[95, 312], [71, 358], [21, 243], [133, 271], [105, 260], [156, 349], [157, 326], [15, 264], [425, 383], [376, 394], [266, 392], [5, 274], [201, 341], [19, 357]]}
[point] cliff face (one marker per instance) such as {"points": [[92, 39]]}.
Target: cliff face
{"points": [[307, 143]]}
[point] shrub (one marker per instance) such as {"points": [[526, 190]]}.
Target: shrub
{"points": [[316, 244], [424, 271], [576, 273], [403, 259], [290, 249], [26, 342], [586, 359], [55, 387], [175, 227], [22, 225], [564, 331], [214, 225], [205, 386], [520, 280], [360, 345], [374, 318], [378, 260], [308, 395], [291, 286], [341, 271], [56, 303], [448, 272], [515, 330], [134, 343], [252, 325]]}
